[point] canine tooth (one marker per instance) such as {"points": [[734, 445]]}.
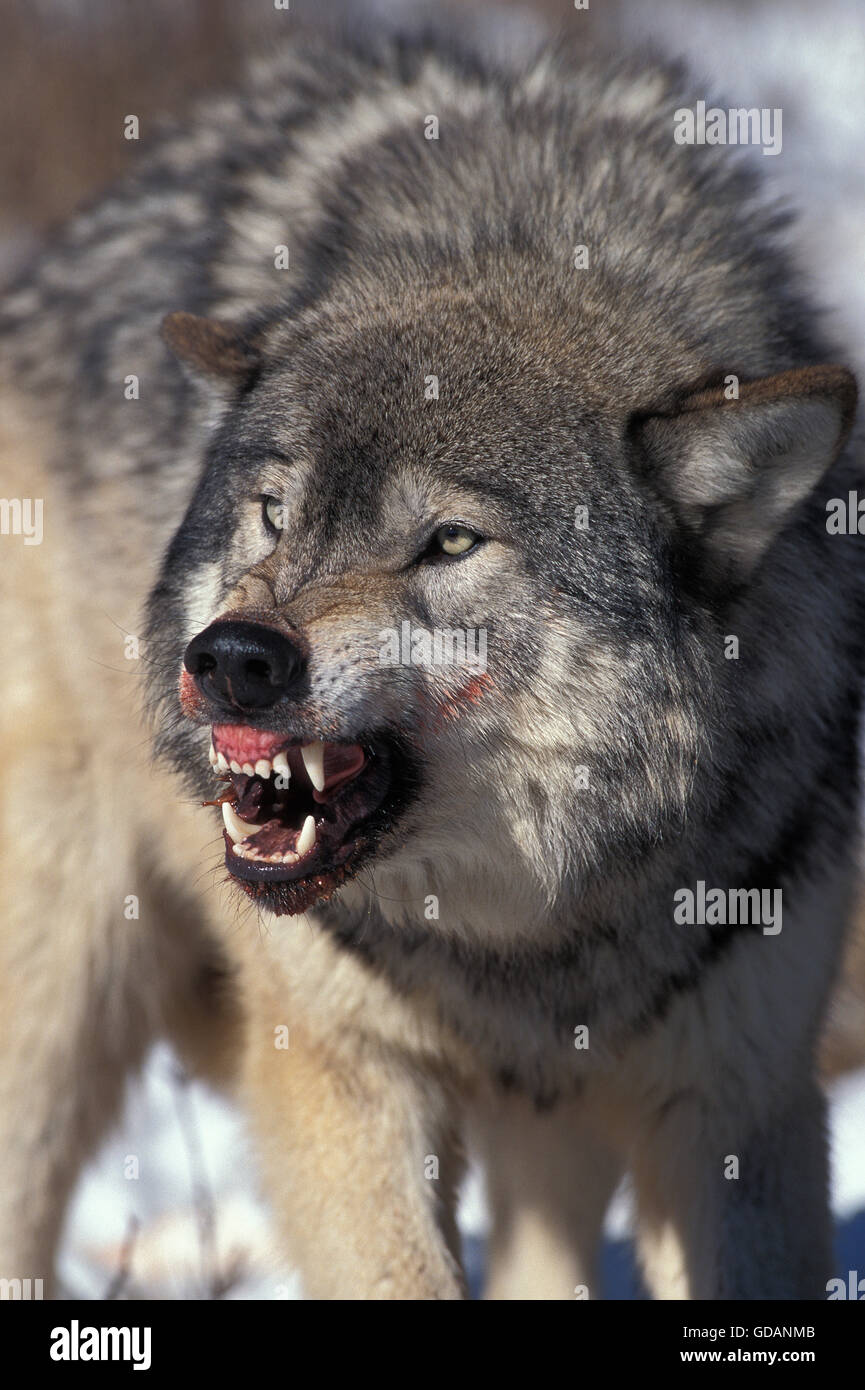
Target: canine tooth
{"points": [[281, 767], [313, 761], [212, 755], [222, 762], [235, 766], [262, 768], [238, 829], [290, 857], [248, 770], [307, 837]]}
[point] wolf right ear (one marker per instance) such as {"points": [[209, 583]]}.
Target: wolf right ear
{"points": [[213, 349], [733, 470]]}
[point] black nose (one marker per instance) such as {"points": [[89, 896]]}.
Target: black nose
{"points": [[242, 665]]}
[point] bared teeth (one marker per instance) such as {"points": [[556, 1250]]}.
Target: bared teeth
{"points": [[311, 753], [306, 840], [313, 761], [238, 829], [243, 832]]}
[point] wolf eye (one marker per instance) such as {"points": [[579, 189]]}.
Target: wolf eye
{"points": [[455, 539], [273, 513]]}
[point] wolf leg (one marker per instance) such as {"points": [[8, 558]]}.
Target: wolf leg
{"points": [[735, 1210], [361, 1165], [92, 970], [549, 1179], [83, 994], [68, 1026], [66, 950], [93, 964]]}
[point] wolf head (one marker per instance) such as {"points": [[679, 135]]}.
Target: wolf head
{"points": [[449, 592]]}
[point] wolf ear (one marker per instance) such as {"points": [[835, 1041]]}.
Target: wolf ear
{"points": [[733, 470], [211, 348]]}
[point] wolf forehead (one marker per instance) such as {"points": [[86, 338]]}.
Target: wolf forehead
{"points": [[433, 408]]}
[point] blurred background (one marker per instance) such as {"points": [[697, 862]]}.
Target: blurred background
{"points": [[169, 1207]]}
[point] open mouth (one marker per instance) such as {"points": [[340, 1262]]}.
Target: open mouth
{"points": [[299, 818]]}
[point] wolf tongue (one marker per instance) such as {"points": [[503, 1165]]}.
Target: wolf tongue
{"points": [[250, 791]]}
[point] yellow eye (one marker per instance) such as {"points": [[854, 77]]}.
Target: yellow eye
{"points": [[455, 539], [274, 512]]}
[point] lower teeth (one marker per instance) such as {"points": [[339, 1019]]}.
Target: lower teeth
{"points": [[250, 852], [242, 834]]}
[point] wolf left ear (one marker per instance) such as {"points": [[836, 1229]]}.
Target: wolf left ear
{"points": [[212, 348], [733, 470]]}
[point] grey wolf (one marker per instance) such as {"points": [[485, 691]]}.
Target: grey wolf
{"points": [[305, 376]]}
